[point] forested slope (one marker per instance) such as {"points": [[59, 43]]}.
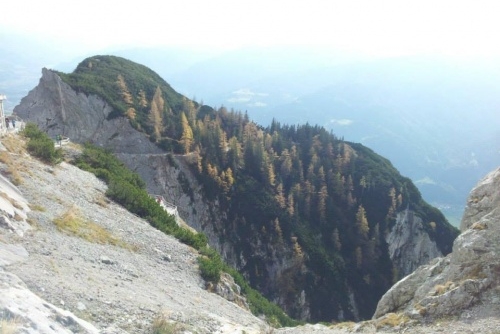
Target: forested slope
{"points": [[305, 212]]}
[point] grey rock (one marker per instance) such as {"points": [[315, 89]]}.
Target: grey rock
{"points": [[483, 200], [106, 260], [12, 253], [231, 291], [465, 279], [58, 109], [42, 317], [81, 306], [409, 244]]}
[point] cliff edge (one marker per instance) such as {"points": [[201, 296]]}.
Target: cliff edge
{"points": [[466, 283]]}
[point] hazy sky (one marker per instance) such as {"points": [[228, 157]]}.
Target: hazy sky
{"points": [[374, 27]]}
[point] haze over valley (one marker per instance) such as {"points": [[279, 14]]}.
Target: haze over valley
{"points": [[434, 118]]}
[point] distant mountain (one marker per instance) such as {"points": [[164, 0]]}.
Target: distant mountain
{"points": [[319, 225]]}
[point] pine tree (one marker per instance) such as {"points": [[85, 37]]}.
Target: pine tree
{"points": [[290, 204], [392, 197], [361, 222], [223, 146], [336, 240], [280, 197], [322, 196], [235, 154], [143, 102], [157, 106], [358, 255], [127, 97], [187, 134]]}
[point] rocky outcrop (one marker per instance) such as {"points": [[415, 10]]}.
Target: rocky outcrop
{"points": [[483, 202], [59, 110], [409, 244], [467, 279], [31, 314]]}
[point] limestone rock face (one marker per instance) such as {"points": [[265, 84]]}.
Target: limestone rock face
{"points": [[58, 109], [169, 176], [483, 200], [228, 289], [409, 244], [466, 279]]}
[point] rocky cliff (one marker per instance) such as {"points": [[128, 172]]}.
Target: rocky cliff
{"points": [[465, 283], [409, 243], [59, 109]]}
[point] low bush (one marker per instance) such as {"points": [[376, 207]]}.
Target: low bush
{"points": [[41, 145]]}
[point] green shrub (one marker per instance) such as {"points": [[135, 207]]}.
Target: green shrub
{"points": [[210, 268], [40, 145]]}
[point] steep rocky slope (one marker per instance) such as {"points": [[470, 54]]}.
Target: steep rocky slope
{"points": [[57, 108], [113, 270], [466, 283], [66, 281]]}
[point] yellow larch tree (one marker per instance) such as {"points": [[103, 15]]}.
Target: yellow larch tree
{"points": [[155, 115]]}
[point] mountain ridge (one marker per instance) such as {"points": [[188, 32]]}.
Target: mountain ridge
{"points": [[228, 155]]}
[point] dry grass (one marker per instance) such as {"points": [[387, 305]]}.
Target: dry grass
{"points": [[101, 201], [479, 226], [422, 310], [12, 201], [5, 158], [392, 320], [4, 195], [13, 168], [433, 225], [162, 325], [15, 145], [441, 289], [36, 207], [346, 325], [476, 272], [9, 326], [32, 222], [72, 223]]}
